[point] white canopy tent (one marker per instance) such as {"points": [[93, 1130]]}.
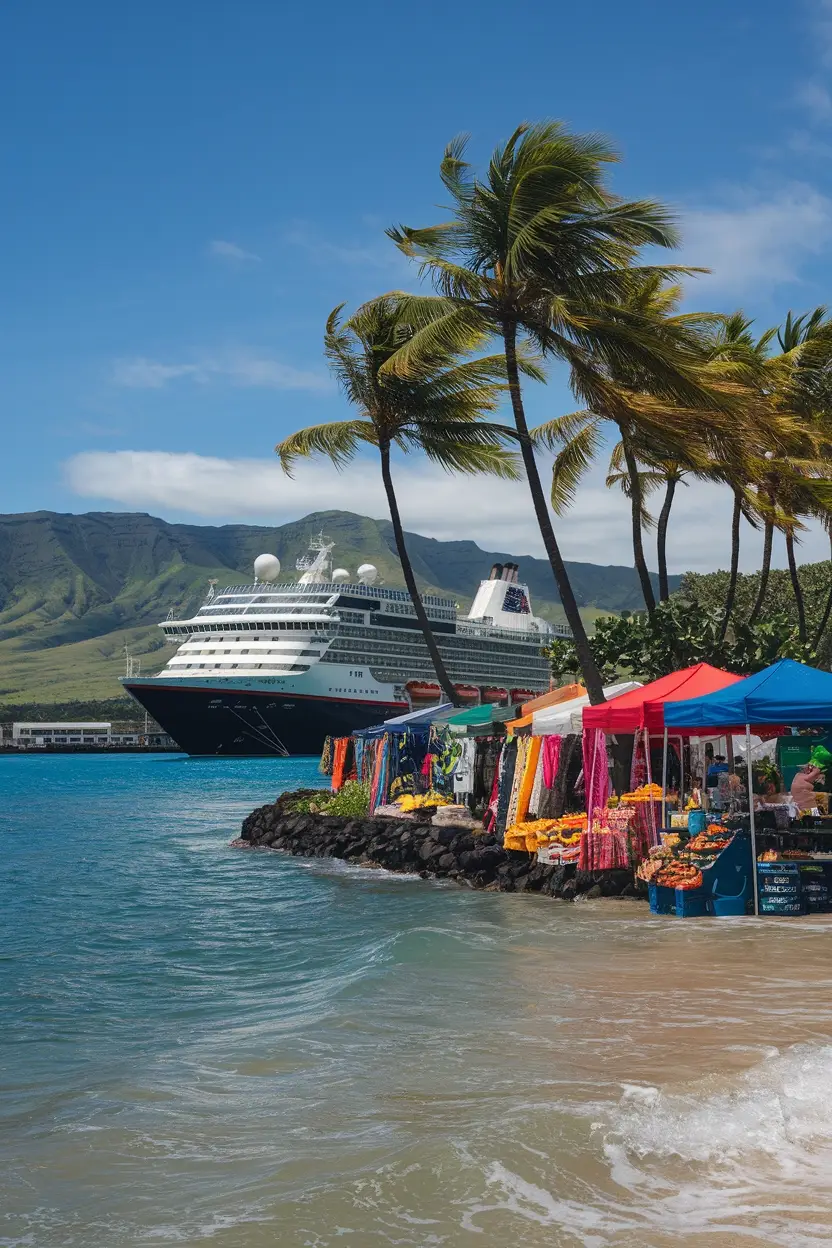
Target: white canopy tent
{"points": [[565, 717]]}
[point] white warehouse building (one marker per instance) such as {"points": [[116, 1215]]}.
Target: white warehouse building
{"points": [[61, 733]]}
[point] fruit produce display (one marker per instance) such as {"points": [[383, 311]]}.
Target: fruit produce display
{"points": [[644, 793], [564, 833], [679, 864], [679, 875]]}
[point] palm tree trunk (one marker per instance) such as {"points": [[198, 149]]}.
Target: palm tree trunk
{"points": [[636, 505], [661, 538], [798, 592], [410, 580], [586, 659], [735, 564], [765, 569], [828, 609]]}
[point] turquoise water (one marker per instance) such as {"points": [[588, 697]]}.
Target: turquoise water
{"points": [[203, 1045]]}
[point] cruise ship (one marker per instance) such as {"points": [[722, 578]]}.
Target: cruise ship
{"points": [[272, 668]]}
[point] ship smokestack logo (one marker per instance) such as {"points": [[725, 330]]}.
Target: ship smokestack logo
{"points": [[516, 600]]}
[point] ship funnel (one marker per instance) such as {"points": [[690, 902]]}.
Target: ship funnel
{"points": [[496, 572]]}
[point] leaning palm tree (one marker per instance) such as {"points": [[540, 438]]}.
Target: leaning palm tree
{"points": [[653, 427], [438, 409], [539, 249]]}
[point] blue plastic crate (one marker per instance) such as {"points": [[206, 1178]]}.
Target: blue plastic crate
{"points": [[690, 903], [697, 822], [662, 900]]}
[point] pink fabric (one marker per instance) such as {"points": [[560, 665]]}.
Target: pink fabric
{"points": [[596, 771], [551, 758]]}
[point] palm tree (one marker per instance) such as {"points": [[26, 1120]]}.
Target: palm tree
{"points": [[438, 408], [652, 426], [539, 249], [798, 382]]}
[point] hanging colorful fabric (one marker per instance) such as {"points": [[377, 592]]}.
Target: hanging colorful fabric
{"points": [[325, 765], [527, 780]]}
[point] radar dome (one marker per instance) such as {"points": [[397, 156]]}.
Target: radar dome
{"points": [[267, 567], [340, 575], [367, 574]]}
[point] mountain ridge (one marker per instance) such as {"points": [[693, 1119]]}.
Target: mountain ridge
{"points": [[75, 589]]}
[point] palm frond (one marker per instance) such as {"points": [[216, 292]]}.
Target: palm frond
{"points": [[572, 463], [339, 440]]}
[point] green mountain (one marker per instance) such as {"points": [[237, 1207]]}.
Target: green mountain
{"points": [[76, 590]]}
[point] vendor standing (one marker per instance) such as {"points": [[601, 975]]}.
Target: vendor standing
{"points": [[717, 768]]}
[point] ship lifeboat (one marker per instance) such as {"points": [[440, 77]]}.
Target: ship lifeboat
{"points": [[423, 692], [469, 695], [523, 695], [498, 697]]}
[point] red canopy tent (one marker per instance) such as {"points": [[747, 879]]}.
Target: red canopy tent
{"points": [[644, 707]]}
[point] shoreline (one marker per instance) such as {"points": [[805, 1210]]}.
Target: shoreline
{"points": [[468, 857]]}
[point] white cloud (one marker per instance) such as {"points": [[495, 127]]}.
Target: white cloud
{"points": [[230, 251], [495, 514], [381, 254], [236, 368], [756, 243], [814, 97], [821, 23]]}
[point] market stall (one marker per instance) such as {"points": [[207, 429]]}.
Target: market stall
{"points": [[786, 695], [640, 713]]}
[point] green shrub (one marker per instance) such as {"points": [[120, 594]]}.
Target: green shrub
{"points": [[352, 801]]}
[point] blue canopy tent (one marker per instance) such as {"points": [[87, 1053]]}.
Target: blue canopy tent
{"points": [[787, 693], [414, 721]]}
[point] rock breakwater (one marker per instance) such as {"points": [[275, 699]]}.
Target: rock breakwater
{"points": [[466, 856]]}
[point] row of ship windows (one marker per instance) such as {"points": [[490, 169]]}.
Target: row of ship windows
{"points": [[446, 644], [259, 627], [406, 608], [322, 589], [277, 669], [262, 654]]}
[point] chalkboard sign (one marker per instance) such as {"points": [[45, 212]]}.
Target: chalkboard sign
{"points": [[780, 889], [815, 882]]}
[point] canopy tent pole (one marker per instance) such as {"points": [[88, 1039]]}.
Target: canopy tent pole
{"points": [[681, 773], [751, 812], [664, 780]]}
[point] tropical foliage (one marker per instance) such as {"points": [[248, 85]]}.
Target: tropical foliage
{"points": [[436, 408], [539, 261], [678, 633]]}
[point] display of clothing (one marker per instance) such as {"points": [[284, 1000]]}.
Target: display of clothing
{"points": [[508, 762], [464, 772], [537, 787], [325, 765], [532, 755], [517, 781], [596, 768], [485, 768]]}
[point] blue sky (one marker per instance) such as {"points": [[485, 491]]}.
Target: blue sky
{"points": [[189, 188]]}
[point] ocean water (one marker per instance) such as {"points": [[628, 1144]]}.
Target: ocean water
{"points": [[207, 1046]]}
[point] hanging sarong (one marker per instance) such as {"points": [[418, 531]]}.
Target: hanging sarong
{"points": [[519, 769], [325, 765], [527, 781], [537, 787], [508, 762], [596, 769], [339, 759], [381, 774]]}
